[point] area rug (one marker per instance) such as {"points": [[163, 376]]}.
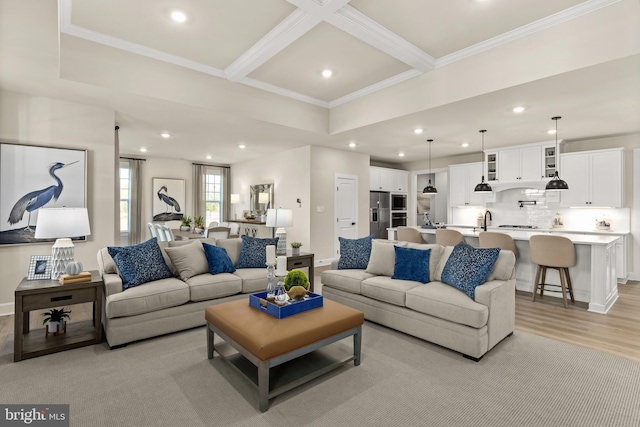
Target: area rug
{"points": [[526, 380]]}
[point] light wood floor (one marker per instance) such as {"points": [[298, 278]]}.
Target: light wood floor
{"points": [[617, 332]]}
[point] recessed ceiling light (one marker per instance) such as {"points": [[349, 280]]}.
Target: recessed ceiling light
{"points": [[327, 73], [178, 16], [208, 157], [144, 150], [418, 131], [401, 154], [242, 146], [352, 144], [165, 135], [551, 132], [465, 144], [518, 109]]}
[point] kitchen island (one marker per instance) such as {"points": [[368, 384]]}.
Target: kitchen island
{"points": [[593, 277]]}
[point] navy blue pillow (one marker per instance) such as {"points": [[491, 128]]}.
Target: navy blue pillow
{"points": [[412, 264], [218, 259], [140, 263], [469, 267], [354, 253], [253, 253]]}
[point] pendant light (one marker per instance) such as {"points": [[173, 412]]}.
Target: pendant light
{"points": [[429, 189], [556, 184], [483, 187]]}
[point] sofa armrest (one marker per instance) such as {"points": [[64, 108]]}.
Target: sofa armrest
{"points": [[500, 297], [334, 263], [112, 284]]}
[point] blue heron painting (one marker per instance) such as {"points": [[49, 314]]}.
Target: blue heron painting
{"points": [[168, 200], [34, 200]]}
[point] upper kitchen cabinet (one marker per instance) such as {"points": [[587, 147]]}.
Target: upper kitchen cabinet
{"points": [[525, 163], [384, 179], [462, 181], [595, 178]]}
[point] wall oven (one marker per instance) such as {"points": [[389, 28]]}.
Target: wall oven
{"points": [[398, 219], [398, 202]]}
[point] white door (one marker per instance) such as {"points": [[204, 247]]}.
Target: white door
{"points": [[346, 209]]}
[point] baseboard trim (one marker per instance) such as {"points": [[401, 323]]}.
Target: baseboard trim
{"points": [[322, 262], [634, 276], [6, 309]]}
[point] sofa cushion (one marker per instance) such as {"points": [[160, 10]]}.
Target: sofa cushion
{"points": [[141, 263], [178, 243], [232, 246], [386, 289], [253, 279], [446, 253], [354, 253], [189, 260], [434, 257], [469, 267], [446, 302], [411, 264], [504, 269], [147, 297], [218, 260], [345, 280], [253, 253], [106, 262], [382, 259], [209, 286]]}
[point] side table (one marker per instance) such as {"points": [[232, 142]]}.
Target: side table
{"points": [[305, 259], [42, 294]]}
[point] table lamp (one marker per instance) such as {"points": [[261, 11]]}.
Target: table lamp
{"points": [[280, 218], [62, 224], [235, 199]]}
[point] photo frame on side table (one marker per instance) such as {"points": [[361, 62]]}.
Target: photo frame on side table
{"points": [[39, 267]]}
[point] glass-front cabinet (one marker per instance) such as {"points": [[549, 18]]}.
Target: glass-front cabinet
{"points": [[525, 163]]}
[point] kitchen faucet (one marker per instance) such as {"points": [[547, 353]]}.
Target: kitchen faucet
{"points": [[484, 222]]}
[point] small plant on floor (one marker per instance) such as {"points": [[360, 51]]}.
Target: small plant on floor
{"points": [[55, 315], [296, 245]]}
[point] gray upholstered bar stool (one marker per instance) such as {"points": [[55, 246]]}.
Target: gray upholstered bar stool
{"points": [[446, 237], [489, 239], [555, 252], [409, 234]]}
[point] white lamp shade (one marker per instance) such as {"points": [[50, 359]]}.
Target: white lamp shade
{"points": [[54, 223], [235, 198], [263, 198], [279, 218]]}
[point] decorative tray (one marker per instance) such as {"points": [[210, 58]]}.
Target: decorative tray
{"points": [[289, 309]]}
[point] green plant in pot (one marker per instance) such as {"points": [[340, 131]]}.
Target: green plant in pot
{"points": [[295, 248], [55, 321], [296, 283], [198, 222], [186, 223]]}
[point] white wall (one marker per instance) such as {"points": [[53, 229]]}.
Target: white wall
{"points": [[35, 120], [634, 268]]}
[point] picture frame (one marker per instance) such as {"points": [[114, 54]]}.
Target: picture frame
{"points": [[31, 177], [168, 199], [40, 267]]}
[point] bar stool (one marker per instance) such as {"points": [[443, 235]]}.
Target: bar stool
{"points": [[489, 239], [409, 234], [448, 237], [555, 252]]}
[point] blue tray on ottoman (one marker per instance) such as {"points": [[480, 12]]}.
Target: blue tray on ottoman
{"points": [[291, 308]]}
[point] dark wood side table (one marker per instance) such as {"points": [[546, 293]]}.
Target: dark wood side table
{"points": [[42, 294], [305, 259]]}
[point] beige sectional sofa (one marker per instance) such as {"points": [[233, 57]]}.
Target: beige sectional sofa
{"points": [[172, 304], [435, 311]]}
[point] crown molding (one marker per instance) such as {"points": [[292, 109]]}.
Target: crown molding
{"points": [[409, 74], [284, 92]]}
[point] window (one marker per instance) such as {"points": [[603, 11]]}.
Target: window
{"points": [[125, 197], [213, 196]]}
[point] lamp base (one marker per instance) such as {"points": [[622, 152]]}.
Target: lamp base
{"points": [[281, 234], [62, 253]]}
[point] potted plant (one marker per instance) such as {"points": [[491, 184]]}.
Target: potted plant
{"points": [[295, 248], [186, 223], [198, 222], [296, 284], [55, 321]]}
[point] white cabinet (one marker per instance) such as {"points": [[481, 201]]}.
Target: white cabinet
{"points": [[521, 164], [462, 181], [595, 178], [385, 179], [621, 259], [255, 230], [401, 181]]}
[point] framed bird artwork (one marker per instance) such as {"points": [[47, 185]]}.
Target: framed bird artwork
{"points": [[34, 177], [168, 199]]}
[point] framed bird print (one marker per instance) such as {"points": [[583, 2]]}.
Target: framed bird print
{"points": [[168, 199], [35, 177]]}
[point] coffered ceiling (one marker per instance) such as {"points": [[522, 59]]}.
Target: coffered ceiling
{"points": [[249, 71]]}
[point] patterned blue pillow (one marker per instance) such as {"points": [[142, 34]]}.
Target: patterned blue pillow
{"points": [[218, 259], [253, 253], [412, 264], [469, 267], [354, 253], [140, 263]]}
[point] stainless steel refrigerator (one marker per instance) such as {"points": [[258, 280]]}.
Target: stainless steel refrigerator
{"points": [[379, 215]]}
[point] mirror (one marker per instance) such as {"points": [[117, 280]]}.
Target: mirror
{"points": [[261, 199]]}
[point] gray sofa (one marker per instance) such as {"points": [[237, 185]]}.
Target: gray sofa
{"points": [[435, 311], [175, 303]]}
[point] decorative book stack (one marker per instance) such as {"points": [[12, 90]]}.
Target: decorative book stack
{"points": [[66, 279]]}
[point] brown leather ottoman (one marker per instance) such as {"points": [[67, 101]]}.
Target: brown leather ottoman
{"points": [[267, 342]]}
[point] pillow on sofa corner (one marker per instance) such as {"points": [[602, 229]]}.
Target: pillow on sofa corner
{"points": [[411, 264], [218, 259], [253, 252], [140, 263], [189, 260], [355, 253], [383, 258], [469, 267]]}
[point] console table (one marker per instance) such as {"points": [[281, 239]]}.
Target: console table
{"points": [[42, 294]]}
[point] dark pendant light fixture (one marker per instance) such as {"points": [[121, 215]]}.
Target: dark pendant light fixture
{"points": [[429, 189], [483, 187], [556, 183]]}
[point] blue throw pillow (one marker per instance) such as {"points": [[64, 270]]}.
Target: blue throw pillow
{"points": [[253, 253], [218, 259], [140, 263], [412, 264], [354, 253], [469, 267]]}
